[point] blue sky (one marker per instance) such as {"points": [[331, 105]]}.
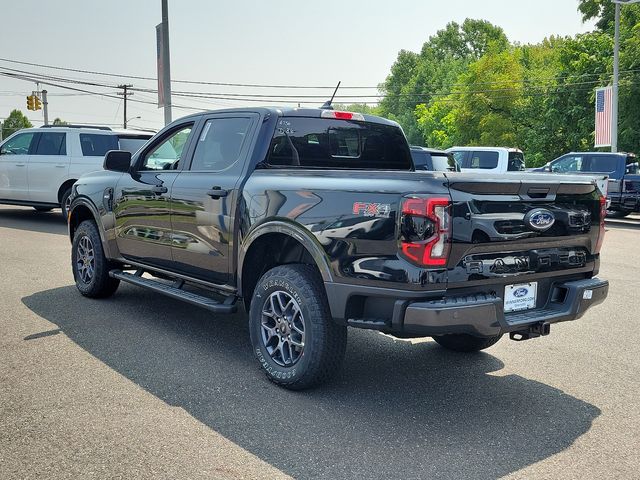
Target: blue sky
{"points": [[245, 41]]}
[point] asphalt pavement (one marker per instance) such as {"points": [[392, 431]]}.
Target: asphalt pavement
{"points": [[141, 386]]}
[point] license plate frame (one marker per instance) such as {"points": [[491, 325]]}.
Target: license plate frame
{"points": [[519, 297]]}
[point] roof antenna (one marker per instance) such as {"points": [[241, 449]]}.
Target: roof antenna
{"points": [[327, 104]]}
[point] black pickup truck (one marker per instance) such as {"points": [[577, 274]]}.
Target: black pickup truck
{"points": [[315, 220], [621, 168]]}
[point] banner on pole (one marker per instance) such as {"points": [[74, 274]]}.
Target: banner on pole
{"points": [[603, 117], [160, 64]]}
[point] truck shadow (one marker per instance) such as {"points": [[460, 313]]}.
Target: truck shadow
{"points": [[26, 218], [396, 410]]}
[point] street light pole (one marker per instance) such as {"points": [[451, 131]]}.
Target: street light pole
{"points": [[616, 75]]}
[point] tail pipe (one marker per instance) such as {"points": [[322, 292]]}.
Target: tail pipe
{"points": [[539, 329]]}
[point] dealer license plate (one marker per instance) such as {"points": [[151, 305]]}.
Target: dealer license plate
{"points": [[520, 296]]}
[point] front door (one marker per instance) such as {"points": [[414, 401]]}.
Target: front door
{"points": [[204, 196], [142, 199], [14, 161]]}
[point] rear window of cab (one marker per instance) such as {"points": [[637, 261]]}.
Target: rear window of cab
{"points": [[338, 144]]}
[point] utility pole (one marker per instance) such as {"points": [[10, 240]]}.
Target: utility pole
{"points": [[166, 68], [125, 94], [616, 77], [45, 107]]}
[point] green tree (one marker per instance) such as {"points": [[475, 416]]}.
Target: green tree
{"points": [[358, 107], [59, 121], [420, 78], [14, 122]]}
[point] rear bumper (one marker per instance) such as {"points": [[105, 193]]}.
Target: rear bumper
{"points": [[476, 314], [484, 316]]}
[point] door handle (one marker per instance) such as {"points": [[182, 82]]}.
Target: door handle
{"points": [[159, 189], [60, 166], [21, 164], [217, 192]]}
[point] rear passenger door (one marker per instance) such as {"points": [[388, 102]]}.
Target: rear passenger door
{"points": [[48, 166], [204, 197]]}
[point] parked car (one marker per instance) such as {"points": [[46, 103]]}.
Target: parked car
{"points": [[433, 160], [621, 168], [39, 165], [488, 159], [316, 220]]}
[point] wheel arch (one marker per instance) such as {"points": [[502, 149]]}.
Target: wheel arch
{"points": [[67, 184], [277, 243], [82, 209]]}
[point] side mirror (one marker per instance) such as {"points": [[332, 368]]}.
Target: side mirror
{"points": [[117, 161]]}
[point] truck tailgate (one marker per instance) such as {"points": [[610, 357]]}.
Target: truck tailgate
{"points": [[510, 230]]}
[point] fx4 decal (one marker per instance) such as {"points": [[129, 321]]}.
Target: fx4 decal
{"points": [[372, 209]]}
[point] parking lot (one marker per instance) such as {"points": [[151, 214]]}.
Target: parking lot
{"points": [[140, 386]]}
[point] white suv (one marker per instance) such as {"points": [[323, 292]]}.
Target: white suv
{"points": [[38, 166], [488, 159]]}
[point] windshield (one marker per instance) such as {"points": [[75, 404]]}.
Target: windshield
{"points": [[516, 162], [444, 163]]}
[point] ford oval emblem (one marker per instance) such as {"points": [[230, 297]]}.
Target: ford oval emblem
{"points": [[540, 219], [520, 292]]}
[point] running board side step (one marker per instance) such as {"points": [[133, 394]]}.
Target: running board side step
{"points": [[175, 291]]}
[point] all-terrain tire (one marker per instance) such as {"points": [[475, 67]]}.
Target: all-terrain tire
{"points": [[89, 264], [462, 342], [289, 307]]}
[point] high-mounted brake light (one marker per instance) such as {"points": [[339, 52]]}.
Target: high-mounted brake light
{"points": [[603, 214], [342, 115], [426, 230]]}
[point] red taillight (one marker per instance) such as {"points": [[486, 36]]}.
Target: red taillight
{"points": [[434, 249], [603, 214]]}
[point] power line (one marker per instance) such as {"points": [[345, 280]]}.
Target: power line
{"points": [[254, 85], [248, 97], [192, 82]]}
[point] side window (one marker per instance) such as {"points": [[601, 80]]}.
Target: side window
{"points": [[571, 163], [460, 157], [484, 160], [603, 163], [631, 165], [18, 145], [52, 143], [220, 144], [166, 156], [94, 145]]}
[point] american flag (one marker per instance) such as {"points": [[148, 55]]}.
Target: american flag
{"points": [[603, 117]]}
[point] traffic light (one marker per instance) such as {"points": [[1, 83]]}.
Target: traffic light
{"points": [[37, 103], [31, 104]]}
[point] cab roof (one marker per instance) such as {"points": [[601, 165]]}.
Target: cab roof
{"points": [[290, 112]]}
